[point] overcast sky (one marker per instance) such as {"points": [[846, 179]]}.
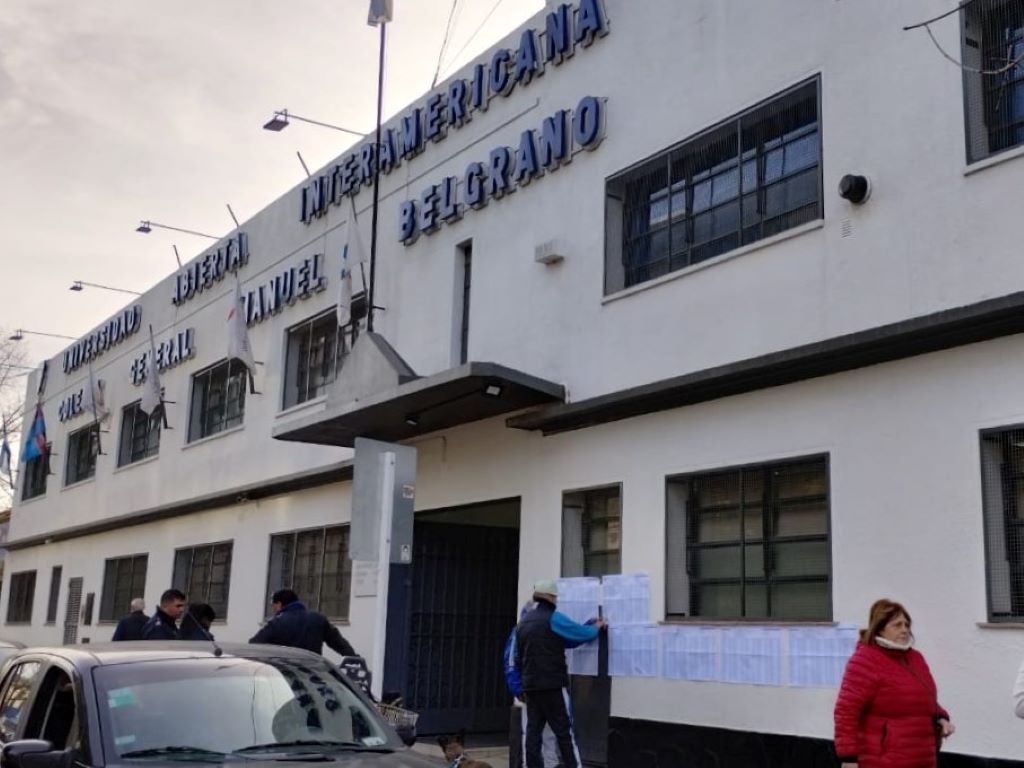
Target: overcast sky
{"points": [[114, 111]]}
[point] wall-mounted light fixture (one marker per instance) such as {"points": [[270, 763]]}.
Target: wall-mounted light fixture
{"points": [[855, 188]]}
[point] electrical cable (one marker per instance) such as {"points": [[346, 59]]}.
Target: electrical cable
{"points": [[477, 31], [1011, 62], [959, 7], [444, 43]]}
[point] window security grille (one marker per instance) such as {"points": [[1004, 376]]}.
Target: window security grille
{"points": [[23, 592], [746, 179], [140, 435], [992, 52], [123, 579], [1002, 474], [218, 399], [203, 573], [313, 358], [592, 532], [36, 471], [314, 563], [750, 543], [83, 447], [51, 605]]}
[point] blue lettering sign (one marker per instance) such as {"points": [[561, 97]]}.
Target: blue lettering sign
{"points": [[476, 192], [458, 96], [588, 123], [366, 163], [500, 81], [388, 151], [558, 37], [527, 59], [554, 141], [412, 134], [408, 232], [427, 221], [591, 22], [479, 88], [527, 165], [435, 118], [451, 211]]}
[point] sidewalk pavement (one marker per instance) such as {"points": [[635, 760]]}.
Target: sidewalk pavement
{"points": [[496, 757]]}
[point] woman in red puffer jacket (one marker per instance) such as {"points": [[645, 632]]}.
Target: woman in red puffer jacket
{"points": [[887, 714]]}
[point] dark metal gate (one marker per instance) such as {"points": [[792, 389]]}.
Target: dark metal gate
{"points": [[463, 605]]}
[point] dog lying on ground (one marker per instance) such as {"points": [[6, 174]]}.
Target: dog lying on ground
{"points": [[455, 752]]}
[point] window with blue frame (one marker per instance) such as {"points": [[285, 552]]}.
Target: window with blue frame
{"points": [[993, 58], [748, 178]]}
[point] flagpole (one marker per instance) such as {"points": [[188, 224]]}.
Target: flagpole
{"points": [[376, 180]]}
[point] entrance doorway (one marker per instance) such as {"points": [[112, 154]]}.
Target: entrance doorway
{"points": [[462, 607]]}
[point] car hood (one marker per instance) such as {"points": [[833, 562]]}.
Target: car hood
{"points": [[406, 758]]}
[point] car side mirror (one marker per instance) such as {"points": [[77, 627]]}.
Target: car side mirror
{"points": [[407, 733], [35, 753]]}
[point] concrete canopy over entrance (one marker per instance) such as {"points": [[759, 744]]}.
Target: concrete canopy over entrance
{"points": [[378, 396]]}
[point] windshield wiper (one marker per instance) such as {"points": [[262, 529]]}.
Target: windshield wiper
{"points": [[342, 745], [183, 751]]}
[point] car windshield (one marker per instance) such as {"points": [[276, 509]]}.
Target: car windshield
{"points": [[209, 709]]}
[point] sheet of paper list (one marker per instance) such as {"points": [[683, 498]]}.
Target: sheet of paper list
{"points": [[752, 656], [690, 653], [818, 655], [627, 599], [633, 650]]}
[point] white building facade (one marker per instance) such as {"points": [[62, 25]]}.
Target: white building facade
{"points": [[631, 326]]}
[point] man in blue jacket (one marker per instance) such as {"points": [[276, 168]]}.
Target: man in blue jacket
{"points": [[163, 624], [131, 626], [297, 627], [542, 636]]}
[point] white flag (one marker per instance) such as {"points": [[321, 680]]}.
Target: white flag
{"points": [[94, 398], [380, 12], [345, 290], [5, 457], [352, 258], [238, 333], [152, 394]]}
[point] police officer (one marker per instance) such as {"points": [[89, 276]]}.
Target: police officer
{"points": [[163, 624], [296, 626], [130, 627]]}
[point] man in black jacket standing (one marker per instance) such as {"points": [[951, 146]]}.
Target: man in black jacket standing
{"points": [[163, 625], [296, 626], [130, 627], [542, 636]]}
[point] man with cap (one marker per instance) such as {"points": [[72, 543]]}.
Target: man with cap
{"points": [[542, 636]]}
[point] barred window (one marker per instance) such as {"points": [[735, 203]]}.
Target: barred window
{"points": [[314, 563], [204, 574], [750, 543], [992, 42], [1002, 474], [592, 532], [313, 358], [83, 447], [51, 605], [124, 578], [140, 434], [748, 178], [218, 399], [34, 483], [23, 592]]}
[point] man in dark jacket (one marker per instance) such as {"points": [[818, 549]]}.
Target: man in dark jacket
{"points": [[130, 627], [542, 636], [196, 623], [163, 624], [297, 627]]}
